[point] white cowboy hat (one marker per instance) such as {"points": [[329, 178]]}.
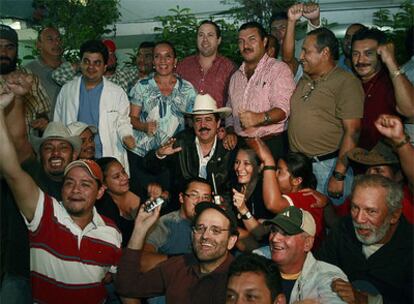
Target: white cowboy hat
{"points": [[56, 130], [205, 104]]}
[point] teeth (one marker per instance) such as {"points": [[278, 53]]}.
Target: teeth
{"points": [[56, 162]]}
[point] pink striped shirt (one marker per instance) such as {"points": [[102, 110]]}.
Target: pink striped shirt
{"points": [[270, 87]]}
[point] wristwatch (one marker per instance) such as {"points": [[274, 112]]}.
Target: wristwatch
{"points": [[267, 119], [246, 216], [338, 176]]}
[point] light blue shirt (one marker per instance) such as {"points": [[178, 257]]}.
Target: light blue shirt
{"points": [[167, 111], [89, 101]]}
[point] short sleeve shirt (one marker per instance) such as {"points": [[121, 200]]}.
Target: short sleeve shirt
{"points": [[318, 108], [167, 111]]}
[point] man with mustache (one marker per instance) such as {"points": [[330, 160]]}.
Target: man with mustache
{"points": [[196, 152], [49, 45], [199, 277], [345, 60], [208, 71], [259, 93], [373, 246], [380, 98]]}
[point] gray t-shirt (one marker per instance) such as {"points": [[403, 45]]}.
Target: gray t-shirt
{"points": [[44, 73], [171, 234]]}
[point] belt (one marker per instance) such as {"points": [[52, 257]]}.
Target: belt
{"points": [[325, 156], [270, 136]]}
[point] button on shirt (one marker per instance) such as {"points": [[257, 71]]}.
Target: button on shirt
{"points": [[270, 87]]}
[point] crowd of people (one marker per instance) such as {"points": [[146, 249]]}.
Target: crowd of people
{"points": [[288, 179]]}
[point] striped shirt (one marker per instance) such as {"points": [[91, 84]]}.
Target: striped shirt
{"points": [[269, 87], [67, 263]]}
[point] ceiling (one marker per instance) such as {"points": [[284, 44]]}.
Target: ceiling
{"points": [[132, 11]]}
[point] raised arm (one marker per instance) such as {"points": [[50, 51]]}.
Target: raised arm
{"points": [[391, 127], [24, 189], [403, 89], [272, 196], [288, 48]]}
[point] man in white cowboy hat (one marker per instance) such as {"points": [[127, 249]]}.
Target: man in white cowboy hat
{"points": [[55, 150], [86, 134], [198, 152]]}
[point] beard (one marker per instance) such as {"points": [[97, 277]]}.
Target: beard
{"points": [[6, 68], [377, 234]]}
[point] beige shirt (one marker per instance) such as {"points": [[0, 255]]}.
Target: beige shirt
{"points": [[318, 108]]}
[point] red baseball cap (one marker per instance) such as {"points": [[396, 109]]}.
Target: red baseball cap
{"points": [[110, 44], [92, 167]]}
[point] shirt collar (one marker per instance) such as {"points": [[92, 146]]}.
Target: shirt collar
{"points": [[259, 66]]}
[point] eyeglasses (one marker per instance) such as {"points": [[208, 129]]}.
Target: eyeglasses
{"points": [[214, 230], [196, 196], [276, 229], [309, 92], [278, 27]]}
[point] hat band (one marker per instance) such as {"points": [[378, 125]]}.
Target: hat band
{"points": [[204, 110]]}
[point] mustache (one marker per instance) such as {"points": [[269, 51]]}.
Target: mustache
{"points": [[361, 65], [204, 129], [362, 226], [5, 58], [247, 50]]}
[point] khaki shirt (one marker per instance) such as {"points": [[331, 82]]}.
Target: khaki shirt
{"points": [[318, 108]]}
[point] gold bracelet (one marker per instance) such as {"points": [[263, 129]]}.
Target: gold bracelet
{"points": [[397, 73]]}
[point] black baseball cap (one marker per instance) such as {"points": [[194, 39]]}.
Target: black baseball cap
{"points": [[6, 32], [228, 213]]}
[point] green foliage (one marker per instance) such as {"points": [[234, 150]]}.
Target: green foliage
{"points": [[79, 20], [257, 10], [396, 26], [180, 28]]}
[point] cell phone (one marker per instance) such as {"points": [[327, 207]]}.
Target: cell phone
{"points": [[151, 205], [217, 199]]}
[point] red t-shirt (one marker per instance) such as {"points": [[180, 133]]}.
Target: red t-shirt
{"points": [[304, 202]]}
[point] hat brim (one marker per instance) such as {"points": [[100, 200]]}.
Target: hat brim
{"points": [[370, 158], [37, 142], [287, 226], [223, 112]]}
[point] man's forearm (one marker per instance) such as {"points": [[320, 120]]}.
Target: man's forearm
{"points": [[276, 115], [349, 142], [136, 242]]}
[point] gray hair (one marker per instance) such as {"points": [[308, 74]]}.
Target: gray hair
{"points": [[394, 196]]}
